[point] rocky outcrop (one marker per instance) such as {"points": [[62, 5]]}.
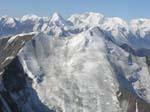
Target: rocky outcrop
{"points": [[130, 102], [16, 92], [9, 47]]}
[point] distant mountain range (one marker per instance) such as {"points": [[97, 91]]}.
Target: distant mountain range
{"points": [[136, 30]]}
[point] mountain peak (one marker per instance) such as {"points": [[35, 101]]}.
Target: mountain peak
{"points": [[56, 16], [90, 18], [57, 19], [8, 20]]}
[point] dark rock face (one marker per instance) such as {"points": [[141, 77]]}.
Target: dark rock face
{"points": [[17, 94], [131, 102], [136, 52], [127, 48], [13, 74]]}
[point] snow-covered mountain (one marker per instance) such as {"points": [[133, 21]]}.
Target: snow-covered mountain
{"points": [[86, 63], [121, 31]]}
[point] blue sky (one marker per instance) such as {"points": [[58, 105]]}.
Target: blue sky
{"points": [[126, 9]]}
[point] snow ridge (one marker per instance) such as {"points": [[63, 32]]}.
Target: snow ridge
{"points": [[121, 31]]}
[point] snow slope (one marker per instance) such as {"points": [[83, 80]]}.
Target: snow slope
{"points": [[84, 72]]}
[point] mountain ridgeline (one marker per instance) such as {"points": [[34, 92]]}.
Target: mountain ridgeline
{"points": [[86, 63]]}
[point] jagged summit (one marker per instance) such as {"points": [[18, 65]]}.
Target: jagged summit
{"points": [[57, 19], [56, 16]]}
